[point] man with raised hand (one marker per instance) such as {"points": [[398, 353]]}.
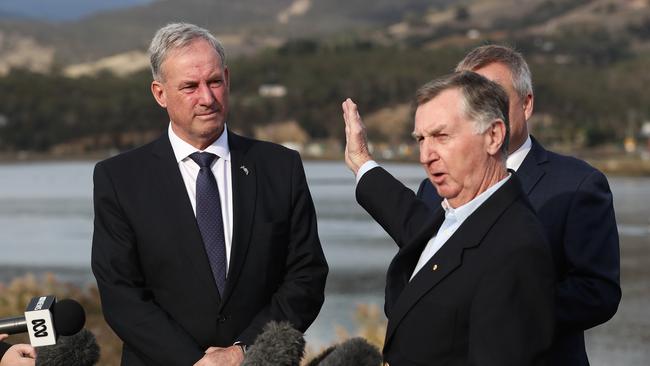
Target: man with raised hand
{"points": [[472, 283], [572, 200]]}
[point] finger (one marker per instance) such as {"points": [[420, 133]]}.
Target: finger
{"points": [[3, 336], [26, 350], [349, 110], [213, 349]]}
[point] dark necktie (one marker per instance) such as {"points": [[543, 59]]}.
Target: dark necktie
{"points": [[208, 216]]}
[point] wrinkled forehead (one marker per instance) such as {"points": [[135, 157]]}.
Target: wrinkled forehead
{"points": [[195, 55]]}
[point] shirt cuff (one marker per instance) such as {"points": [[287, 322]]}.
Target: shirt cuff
{"points": [[368, 165]]}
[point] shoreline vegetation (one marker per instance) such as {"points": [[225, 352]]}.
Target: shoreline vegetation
{"points": [[611, 164], [14, 294]]}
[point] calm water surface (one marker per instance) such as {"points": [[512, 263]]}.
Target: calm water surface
{"points": [[46, 225]]}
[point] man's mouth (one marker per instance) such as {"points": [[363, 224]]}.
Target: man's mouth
{"points": [[437, 177]]}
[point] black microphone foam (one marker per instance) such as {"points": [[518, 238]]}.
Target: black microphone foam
{"points": [[80, 349], [69, 317], [278, 345], [353, 352]]}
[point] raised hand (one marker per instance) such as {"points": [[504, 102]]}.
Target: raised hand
{"points": [[356, 146]]}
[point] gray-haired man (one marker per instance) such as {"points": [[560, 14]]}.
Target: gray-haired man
{"points": [[472, 283], [202, 236]]}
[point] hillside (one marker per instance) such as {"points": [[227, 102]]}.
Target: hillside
{"points": [[249, 24]]}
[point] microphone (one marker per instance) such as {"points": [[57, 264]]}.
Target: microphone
{"points": [[45, 318], [353, 352], [80, 349], [278, 345]]}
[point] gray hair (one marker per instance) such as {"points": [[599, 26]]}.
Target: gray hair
{"points": [[483, 100], [513, 60], [178, 35]]}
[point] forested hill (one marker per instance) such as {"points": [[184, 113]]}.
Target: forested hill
{"points": [[63, 88]]}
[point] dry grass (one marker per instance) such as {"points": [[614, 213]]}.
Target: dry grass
{"points": [[15, 295]]}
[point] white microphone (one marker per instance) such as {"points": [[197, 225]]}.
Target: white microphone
{"points": [[44, 318]]}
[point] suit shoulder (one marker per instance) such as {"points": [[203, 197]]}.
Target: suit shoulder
{"points": [[130, 158], [523, 225], [271, 154], [570, 165], [265, 147]]}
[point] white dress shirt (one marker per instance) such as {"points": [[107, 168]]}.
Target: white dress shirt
{"points": [[222, 173], [516, 158], [454, 218]]}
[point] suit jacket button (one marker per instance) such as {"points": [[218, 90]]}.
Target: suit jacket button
{"points": [[435, 267]]}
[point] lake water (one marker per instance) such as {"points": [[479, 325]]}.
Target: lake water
{"points": [[46, 226]]}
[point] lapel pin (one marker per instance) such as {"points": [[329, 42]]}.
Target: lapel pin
{"points": [[244, 169], [435, 267]]}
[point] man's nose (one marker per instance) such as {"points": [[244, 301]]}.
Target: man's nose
{"points": [[428, 152], [205, 95]]}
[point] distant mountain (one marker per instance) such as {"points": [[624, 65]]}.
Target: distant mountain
{"points": [[245, 26], [60, 10]]}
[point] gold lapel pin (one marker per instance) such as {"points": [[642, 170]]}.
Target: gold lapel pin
{"points": [[435, 267]]}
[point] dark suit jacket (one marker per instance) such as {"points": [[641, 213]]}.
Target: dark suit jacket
{"points": [[485, 298], [574, 203], [156, 286], [3, 348]]}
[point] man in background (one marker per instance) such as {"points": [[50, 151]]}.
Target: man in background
{"points": [[472, 283], [203, 236], [572, 200]]}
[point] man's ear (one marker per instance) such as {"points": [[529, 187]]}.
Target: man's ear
{"points": [[495, 136], [158, 91], [529, 101]]}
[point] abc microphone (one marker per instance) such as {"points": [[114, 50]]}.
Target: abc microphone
{"points": [[45, 318]]}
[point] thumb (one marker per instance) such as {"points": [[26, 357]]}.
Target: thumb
{"points": [[25, 350]]}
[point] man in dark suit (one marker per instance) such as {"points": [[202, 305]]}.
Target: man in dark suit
{"points": [[17, 354], [572, 200], [472, 283], [202, 236]]}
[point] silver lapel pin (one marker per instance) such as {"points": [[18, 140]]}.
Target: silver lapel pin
{"points": [[244, 169]]}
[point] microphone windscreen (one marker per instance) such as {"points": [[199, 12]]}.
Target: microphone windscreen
{"points": [[80, 349], [69, 317], [278, 345], [353, 352], [321, 356]]}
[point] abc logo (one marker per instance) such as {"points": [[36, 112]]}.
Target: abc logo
{"points": [[39, 327]]}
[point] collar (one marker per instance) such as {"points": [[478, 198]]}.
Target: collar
{"points": [[516, 158], [462, 212], [182, 149]]}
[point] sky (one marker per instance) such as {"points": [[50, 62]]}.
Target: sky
{"points": [[61, 10]]}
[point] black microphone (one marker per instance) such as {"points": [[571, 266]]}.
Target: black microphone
{"points": [[278, 345], [353, 352], [44, 319], [80, 349]]}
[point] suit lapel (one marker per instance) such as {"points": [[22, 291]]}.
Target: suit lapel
{"points": [[244, 183], [449, 257], [174, 193], [405, 261], [530, 171]]}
